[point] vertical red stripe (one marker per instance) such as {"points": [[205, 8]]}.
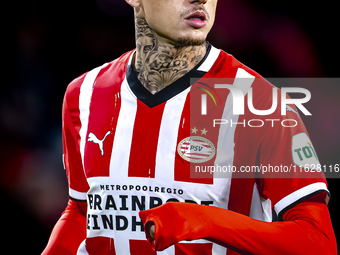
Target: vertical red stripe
{"points": [[193, 248], [138, 247], [144, 140], [241, 192], [100, 246], [193, 124], [182, 166], [104, 111]]}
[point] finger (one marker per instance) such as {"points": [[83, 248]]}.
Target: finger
{"points": [[150, 229], [152, 232]]}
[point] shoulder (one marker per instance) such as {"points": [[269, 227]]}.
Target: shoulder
{"points": [[108, 73], [227, 66]]}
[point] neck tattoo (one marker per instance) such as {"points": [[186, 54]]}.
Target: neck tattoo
{"points": [[159, 64]]}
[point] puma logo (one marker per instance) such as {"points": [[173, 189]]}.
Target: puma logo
{"points": [[93, 138]]}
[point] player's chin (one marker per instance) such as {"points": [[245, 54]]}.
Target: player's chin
{"points": [[193, 37], [188, 41], [191, 40]]}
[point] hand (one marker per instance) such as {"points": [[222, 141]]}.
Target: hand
{"points": [[175, 222]]}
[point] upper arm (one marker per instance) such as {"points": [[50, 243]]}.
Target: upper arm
{"points": [[285, 152], [71, 125], [70, 229]]}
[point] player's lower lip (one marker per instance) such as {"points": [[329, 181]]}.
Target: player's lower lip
{"points": [[196, 23]]}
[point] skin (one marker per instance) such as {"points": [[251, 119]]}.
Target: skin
{"points": [[167, 46]]}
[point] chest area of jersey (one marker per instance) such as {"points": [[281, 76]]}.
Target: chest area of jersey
{"points": [[126, 138], [137, 158]]}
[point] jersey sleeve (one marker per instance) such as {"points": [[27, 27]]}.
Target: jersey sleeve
{"points": [[307, 229], [71, 125], [286, 156]]}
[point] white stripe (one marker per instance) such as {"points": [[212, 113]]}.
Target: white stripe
{"points": [[167, 251], [167, 140], [122, 244], [210, 60], [82, 249], [243, 80], [119, 163], [300, 193], [131, 58], [218, 249], [76, 194], [85, 96], [195, 241], [225, 142], [260, 209]]}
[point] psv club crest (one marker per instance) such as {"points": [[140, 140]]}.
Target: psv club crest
{"points": [[196, 149]]}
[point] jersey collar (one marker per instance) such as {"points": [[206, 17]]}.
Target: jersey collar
{"points": [[171, 90]]}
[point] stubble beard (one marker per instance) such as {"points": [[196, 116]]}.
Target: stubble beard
{"points": [[187, 41]]}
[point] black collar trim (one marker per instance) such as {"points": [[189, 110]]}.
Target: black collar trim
{"points": [[168, 92]]}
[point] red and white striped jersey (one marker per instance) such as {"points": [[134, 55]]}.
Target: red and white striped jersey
{"points": [[125, 150]]}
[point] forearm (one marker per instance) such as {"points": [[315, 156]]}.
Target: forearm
{"points": [[299, 234], [246, 235], [69, 231]]}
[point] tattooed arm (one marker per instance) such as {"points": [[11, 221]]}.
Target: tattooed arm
{"points": [[158, 64]]}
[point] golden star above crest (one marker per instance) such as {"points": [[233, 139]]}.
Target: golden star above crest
{"points": [[204, 131], [194, 130]]}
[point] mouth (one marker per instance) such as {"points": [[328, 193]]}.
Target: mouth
{"points": [[197, 19]]}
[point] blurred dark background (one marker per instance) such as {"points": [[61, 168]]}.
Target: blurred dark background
{"points": [[47, 44]]}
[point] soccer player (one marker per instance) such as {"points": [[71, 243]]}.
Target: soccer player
{"points": [[130, 142]]}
